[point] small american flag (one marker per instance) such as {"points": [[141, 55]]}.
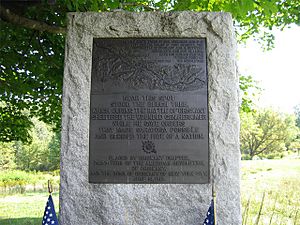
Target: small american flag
{"points": [[210, 220], [49, 214]]}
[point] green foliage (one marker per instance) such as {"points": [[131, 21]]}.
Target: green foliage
{"points": [[16, 181], [42, 154], [273, 155], [297, 113], [249, 91], [251, 18], [292, 129], [31, 61], [7, 156], [54, 152], [295, 145], [266, 132], [31, 66], [246, 157], [34, 156], [15, 124]]}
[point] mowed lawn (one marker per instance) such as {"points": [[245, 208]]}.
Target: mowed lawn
{"points": [[277, 180], [24, 209]]}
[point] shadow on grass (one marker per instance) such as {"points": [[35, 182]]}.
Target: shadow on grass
{"points": [[21, 221]]}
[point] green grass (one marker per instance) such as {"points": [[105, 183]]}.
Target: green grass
{"points": [[24, 209], [278, 180]]}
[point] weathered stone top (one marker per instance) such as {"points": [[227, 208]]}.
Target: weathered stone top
{"points": [[152, 24]]}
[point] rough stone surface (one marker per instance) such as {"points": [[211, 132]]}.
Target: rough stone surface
{"points": [[169, 204]]}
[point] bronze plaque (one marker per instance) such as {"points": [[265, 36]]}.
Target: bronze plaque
{"points": [[148, 112]]}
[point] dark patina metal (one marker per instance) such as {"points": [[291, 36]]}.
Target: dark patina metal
{"points": [[148, 113]]}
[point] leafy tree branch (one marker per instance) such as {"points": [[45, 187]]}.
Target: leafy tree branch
{"points": [[13, 18]]}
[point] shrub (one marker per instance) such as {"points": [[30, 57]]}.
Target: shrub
{"points": [[17, 180]]}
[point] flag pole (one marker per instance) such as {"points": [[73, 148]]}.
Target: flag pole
{"points": [[50, 189], [214, 201]]}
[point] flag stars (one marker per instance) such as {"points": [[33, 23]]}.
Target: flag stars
{"points": [[209, 220], [49, 217]]}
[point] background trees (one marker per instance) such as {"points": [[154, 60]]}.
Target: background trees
{"points": [[297, 113], [266, 133], [42, 154]]}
